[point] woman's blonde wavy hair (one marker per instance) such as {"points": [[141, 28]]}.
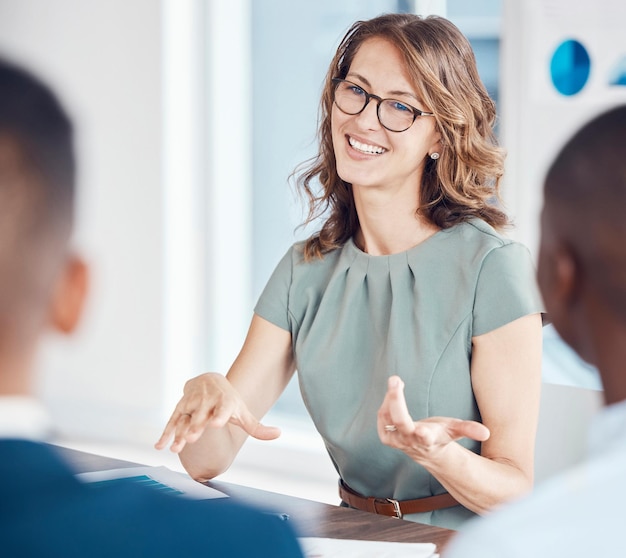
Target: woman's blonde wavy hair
{"points": [[464, 182]]}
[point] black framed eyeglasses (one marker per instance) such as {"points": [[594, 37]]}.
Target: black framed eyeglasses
{"points": [[394, 115]]}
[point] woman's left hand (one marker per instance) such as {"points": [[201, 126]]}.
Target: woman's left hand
{"points": [[423, 440]]}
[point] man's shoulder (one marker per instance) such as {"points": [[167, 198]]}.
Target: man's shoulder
{"points": [[169, 525], [55, 515], [32, 466]]}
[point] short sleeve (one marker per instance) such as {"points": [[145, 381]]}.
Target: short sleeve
{"points": [[273, 304], [506, 289]]}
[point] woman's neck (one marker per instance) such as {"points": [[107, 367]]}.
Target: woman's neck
{"points": [[389, 223]]}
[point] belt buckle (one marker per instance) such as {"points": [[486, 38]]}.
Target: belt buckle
{"points": [[396, 507]]}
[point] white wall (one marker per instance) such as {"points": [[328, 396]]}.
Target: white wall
{"points": [[104, 60], [536, 119], [564, 427]]}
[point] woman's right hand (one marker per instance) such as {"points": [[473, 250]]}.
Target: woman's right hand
{"points": [[210, 401]]}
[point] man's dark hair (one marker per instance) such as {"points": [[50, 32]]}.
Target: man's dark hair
{"points": [[585, 193], [32, 117]]}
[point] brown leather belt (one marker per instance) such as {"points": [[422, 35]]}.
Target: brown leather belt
{"points": [[391, 507]]}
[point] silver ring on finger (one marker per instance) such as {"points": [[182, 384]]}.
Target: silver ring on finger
{"points": [[390, 428]]}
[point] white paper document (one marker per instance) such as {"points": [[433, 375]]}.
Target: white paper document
{"points": [[160, 478], [314, 547]]}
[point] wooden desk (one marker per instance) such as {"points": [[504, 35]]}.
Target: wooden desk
{"points": [[310, 519]]}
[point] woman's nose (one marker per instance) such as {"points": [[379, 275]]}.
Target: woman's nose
{"points": [[368, 117]]}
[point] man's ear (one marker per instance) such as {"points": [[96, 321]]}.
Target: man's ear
{"points": [[70, 294], [566, 279]]}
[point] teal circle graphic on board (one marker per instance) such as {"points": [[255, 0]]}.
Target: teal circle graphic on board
{"points": [[570, 67]]}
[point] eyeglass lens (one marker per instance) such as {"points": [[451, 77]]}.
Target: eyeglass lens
{"points": [[392, 114]]}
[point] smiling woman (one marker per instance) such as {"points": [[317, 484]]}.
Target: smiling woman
{"points": [[412, 322], [367, 155], [434, 69]]}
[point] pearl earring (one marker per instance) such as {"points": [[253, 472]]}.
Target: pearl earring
{"points": [[434, 156]]}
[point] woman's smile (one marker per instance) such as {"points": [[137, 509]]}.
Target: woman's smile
{"points": [[365, 148]]}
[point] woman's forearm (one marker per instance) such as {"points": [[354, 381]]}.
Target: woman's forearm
{"points": [[478, 483], [503, 471], [216, 414], [211, 455]]}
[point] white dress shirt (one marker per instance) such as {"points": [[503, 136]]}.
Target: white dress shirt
{"points": [[581, 513], [23, 418]]}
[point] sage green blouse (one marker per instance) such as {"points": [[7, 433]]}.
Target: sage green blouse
{"points": [[356, 319]]}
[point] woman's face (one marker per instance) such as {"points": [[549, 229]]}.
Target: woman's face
{"points": [[367, 154]]}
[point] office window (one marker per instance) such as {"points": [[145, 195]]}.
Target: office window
{"points": [[292, 45]]}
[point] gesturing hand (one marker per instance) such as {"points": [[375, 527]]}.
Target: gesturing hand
{"points": [[210, 401], [424, 439]]}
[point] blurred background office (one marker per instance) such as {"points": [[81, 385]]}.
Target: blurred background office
{"points": [[191, 115]]}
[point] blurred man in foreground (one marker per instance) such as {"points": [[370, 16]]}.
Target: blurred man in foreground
{"points": [[44, 510], [582, 275]]}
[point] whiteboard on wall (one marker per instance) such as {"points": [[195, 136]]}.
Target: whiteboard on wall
{"points": [[536, 117]]}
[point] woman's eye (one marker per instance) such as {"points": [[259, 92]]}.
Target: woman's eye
{"points": [[356, 90], [400, 107]]}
